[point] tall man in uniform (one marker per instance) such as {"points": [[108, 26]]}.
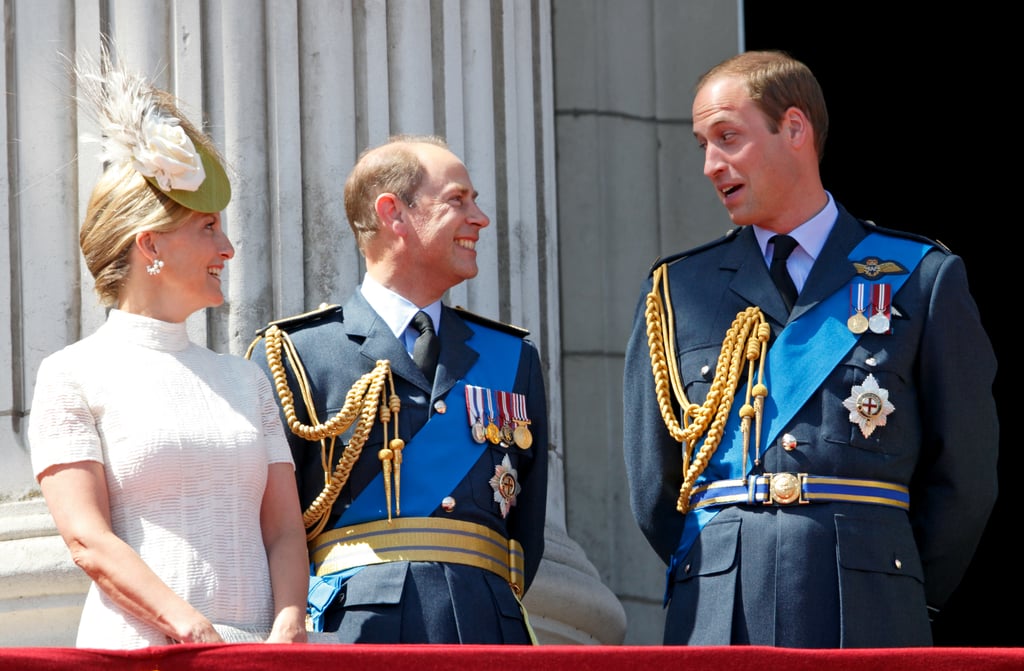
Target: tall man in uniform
{"points": [[421, 459], [813, 456]]}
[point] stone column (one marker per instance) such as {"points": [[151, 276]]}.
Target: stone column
{"points": [[292, 92]]}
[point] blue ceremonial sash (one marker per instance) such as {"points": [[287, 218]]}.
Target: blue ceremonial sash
{"points": [[438, 457], [793, 370]]}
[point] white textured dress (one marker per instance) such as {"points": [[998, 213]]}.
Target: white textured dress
{"points": [[185, 436]]}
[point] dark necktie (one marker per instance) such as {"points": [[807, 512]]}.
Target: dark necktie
{"points": [[784, 246], [427, 346]]}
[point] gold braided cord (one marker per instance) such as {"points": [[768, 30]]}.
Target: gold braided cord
{"points": [[746, 341], [362, 403], [668, 335]]}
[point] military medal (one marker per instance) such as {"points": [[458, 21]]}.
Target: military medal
{"points": [[475, 410], [879, 322], [505, 483], [857, 323], [869, 405], [492, 432], [521, 434], [505, 419]]}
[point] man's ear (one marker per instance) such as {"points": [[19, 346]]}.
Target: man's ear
{"points": [[389, 210], [796, 126]]}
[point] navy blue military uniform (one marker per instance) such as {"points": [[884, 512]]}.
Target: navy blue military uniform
{"points": [[428, 599], [821, 570]]}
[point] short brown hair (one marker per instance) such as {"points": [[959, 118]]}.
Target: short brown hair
{"points": [[388, 168], [775, 82]]}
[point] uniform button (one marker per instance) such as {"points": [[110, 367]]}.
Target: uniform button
{"points": [[705, 370], [898, 564], [448, 503], [871, 361], [686, 569], [440, 407], [788, 442]]}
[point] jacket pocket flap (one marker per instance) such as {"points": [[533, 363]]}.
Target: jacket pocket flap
{"points": [[378, 583], [714, 552], [878, 546]]}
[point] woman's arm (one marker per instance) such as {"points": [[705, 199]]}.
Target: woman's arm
{"points": [[76, 495], [285, 539]]}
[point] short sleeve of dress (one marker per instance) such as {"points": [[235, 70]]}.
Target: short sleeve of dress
{"points": [[61, 425], [278, 450]]}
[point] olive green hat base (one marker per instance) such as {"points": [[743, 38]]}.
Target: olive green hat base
{"points": [[213, 195]]}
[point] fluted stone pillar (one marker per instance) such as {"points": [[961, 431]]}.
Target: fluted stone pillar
{"points": [[291, 90]]}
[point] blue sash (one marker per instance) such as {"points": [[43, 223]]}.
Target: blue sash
{"points": [[799, 361], [438, 457]]}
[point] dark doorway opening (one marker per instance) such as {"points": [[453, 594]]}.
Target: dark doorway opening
{"points": [[917, 128]]}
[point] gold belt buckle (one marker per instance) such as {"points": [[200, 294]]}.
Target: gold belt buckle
{"points": [[785, 488]]}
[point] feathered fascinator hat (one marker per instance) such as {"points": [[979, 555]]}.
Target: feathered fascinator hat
{"points": [[141, 126]]}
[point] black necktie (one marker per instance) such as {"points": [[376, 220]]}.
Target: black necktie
{"points": [[784, 246], [427, 346]]}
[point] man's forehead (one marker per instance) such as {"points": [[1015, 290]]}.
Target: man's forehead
{"points": [[720, 95]]}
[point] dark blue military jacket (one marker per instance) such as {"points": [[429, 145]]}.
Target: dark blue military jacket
{"points": [[422, 601], [824, 574]]}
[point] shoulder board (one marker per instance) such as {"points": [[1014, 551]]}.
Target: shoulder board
{"points": [[501, 326], [906, 234], [728, 237], [286, 323]]}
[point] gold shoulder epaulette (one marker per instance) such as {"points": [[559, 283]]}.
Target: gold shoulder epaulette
{"points": [[501, 326], [319, 313]]}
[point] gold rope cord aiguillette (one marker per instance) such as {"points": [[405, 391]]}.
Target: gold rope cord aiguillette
{"points": [[363, 402], [746, 340]]}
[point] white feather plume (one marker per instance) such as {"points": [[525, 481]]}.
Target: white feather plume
{"points": [[135, 128]]}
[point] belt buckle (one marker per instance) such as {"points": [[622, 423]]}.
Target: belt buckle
{"points": [[785, 488]]}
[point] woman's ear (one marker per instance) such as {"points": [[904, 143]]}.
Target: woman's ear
{"points": [[145, 242]]}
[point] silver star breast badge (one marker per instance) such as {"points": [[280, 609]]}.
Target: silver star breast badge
{"points": [[869, 405]]}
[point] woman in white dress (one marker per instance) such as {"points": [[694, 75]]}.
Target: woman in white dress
{"points": [[163, 463]]}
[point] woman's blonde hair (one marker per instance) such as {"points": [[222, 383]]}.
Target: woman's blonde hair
{"points": [[123, 204]]}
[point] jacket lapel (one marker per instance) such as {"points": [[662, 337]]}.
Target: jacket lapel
{"points": [[832, 269], [378, 342], [751, 280], [456, 356]]}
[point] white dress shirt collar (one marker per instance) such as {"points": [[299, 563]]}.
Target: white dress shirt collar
{"points": [[395, 310], [810, 237]]}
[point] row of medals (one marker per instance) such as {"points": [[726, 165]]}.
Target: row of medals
{"points": [[858, 323], [506, 435], [877, 323]]}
